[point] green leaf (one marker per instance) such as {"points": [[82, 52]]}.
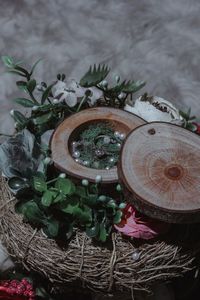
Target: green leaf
{"points": [[43, 119], [19, 117], [39, 184], [83, 214], [32, 212], [65, 186], [31, 84], [59, 198], [90, 200], [103, 233], [93, 231], [191, 126], [94, 75], [24, 102], [19, 206], [133, 86], [8, 61], [46, 93], [69, 209], [80, 191], [34, 66], [52, 228], [47, 198], [22, 70], [117, 217], [22, 85], [13, 71]]}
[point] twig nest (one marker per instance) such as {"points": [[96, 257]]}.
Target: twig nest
{"points": [[155, 109], [159, 168]]}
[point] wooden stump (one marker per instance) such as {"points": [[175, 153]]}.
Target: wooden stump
{"points": [[160, 171], [70, 129]]}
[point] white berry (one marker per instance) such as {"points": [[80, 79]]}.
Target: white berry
{"points": [[98, 178]]}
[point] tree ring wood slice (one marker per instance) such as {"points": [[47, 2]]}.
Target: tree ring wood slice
{"points": [[69, 131], [160, 171]]}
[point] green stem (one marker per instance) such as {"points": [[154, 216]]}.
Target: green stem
{"points": [[49, 100], [33, 98], [81, 103], [52, 180]]}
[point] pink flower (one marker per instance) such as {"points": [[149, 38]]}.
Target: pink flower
{"points": [[16, 290], [140, 226]]}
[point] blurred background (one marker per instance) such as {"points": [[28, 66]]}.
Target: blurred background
{"points": [[151, 40]]}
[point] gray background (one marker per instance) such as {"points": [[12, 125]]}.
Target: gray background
{"points": [[152, 40]]}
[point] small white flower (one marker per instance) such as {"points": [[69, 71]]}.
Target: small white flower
{"points": [[154, 110], [96, 94], [69, 92]]}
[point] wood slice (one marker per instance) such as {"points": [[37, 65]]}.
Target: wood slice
{"points": [[160, 171], [69, 131]]}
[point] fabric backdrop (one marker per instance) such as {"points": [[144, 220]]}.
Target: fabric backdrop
{"points": [[152, 40]]}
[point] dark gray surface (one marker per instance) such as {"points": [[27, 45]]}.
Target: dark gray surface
{"points": [[158, 41]]}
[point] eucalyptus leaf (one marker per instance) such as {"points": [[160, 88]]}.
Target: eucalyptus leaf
{"points": [[20, 155]]}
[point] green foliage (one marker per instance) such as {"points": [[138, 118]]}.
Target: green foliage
{"points": [[55, 204], [94, 75], [188, 120], [24, 102], [59, 205], [91, 142]]}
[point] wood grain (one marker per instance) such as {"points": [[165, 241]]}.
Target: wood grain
{"points": [[70, 129], [160, 171]]}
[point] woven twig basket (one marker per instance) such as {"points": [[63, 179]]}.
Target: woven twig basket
{"points": [[120, 267]]}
